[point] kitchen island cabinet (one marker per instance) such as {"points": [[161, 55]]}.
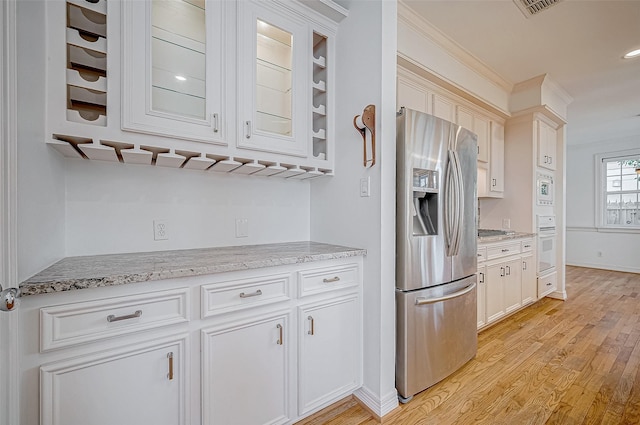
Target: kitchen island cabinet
{"points": [[263, 334]]}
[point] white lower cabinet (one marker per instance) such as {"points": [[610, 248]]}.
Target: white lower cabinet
{"points": [[507, 281], [252, 347], [246, 372], [482, 296], [144, 384], [329, 351]]}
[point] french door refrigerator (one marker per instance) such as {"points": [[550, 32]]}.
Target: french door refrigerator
{"points": [[436, 250]]}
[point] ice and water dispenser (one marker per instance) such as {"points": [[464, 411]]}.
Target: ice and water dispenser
{"points": [[425, 202]]}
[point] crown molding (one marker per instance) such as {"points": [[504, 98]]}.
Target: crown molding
{"points": [[409, 17]]}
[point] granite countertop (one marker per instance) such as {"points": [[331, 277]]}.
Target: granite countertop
{"points": [[117, 269], [500, 238]]}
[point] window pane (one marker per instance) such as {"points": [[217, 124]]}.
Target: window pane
{"points": [[630, 182], [614, 184], [613, 168], [629, 209], [628, 167], [613, 209]]}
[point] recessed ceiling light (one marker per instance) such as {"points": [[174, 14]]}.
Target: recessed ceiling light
{"points": [[632, 54], [180, 78]]}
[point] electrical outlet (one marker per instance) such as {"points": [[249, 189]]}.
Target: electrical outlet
{"points": [[506, 223], [160, 230], [242, 228]]}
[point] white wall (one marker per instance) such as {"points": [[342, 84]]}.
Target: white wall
{"points": [[41, 225], [366, 68], [110, 208], [619, 250]]}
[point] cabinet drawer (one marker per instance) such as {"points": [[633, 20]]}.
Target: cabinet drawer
{"points": [[546, 284], [527, 245], [503, 250], [482, 253], [78, 323], [314, 281], [233, 295]]}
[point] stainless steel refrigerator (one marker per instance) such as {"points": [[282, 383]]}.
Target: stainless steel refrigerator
{"points": [[436, 246]]}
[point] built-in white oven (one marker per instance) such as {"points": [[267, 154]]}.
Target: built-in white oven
{"points": [[546, 243], [544, 189]]}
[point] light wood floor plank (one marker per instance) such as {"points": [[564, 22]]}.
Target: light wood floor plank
{"points": [[554, 362]]}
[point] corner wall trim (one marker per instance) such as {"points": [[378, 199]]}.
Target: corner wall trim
{"points": [[377, 406]]}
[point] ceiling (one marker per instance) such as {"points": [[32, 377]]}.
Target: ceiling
{"points": [[578, 43]]}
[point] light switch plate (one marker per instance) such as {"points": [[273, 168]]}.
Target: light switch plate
{"points": [[365, 186], [242, 228]]}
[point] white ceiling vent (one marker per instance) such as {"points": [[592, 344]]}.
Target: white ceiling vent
{"points": [[533, 7]]}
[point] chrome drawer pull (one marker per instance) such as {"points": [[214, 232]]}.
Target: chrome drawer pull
{"points": [[253, 294], [113, 318], [280, 341], [333, 279], [527, 246], [505, 250]]}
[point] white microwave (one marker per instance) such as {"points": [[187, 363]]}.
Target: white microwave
{"points": [[544, 189]]}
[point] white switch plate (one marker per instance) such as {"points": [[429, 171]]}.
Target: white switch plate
{"points": [[506, 223], [160, 230], [242, 228], [365, 186]]}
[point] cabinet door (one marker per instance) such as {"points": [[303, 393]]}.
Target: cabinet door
{"points": [[413, 97], [443, 108], [274, 71], [529, 290], [546, 146], [495, 292], [482, 296], [145, 385], [330, 345], [173, 64], [245, 375], [513, 285], [496, 165]]}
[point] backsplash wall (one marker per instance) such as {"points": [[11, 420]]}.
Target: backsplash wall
{"points": [[110, 208]]}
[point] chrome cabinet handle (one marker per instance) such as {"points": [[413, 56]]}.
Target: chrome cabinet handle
{"points": [[253, 294], [505, 250], [311, 329], [170, 374], [280, 341], [331, 280], [524, 265], [247, 125], [113, 318], [502, 271], [508, 270], [481, 277], [215, 123], [527, 246], [548, 283], [494, 182]]}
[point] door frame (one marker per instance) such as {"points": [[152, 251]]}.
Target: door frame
{"points": [[9, 359]]}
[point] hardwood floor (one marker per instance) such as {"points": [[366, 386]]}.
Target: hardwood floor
{"points": [[555, 362]]}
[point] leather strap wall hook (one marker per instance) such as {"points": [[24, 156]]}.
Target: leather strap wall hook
{"points": [[368, 120]]}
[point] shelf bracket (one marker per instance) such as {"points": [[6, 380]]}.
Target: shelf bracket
{"points": [[362, 123]]}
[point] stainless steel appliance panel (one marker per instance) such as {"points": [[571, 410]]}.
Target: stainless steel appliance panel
{"points": [[436, 224], [436, 334]]}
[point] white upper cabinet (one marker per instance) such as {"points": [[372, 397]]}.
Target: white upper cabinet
{"points": [[173, 66], [479, 125], [547, 140], [273, 86]]}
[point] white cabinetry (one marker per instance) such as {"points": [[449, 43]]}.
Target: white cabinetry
{"points": [[547, 140], [443, 107], [246, 372], [509, 278], [265, 346], [547, 284], [496, 166], [142, 384], [230, 86], [479, 125]]}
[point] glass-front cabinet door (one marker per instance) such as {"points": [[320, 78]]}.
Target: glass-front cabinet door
{"points": [[273, 81], [174, 67]]}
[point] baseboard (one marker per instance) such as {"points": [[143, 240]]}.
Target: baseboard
{"points": [[375, 406], [612, 267], [558, 295]]}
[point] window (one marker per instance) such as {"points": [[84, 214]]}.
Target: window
{"points": [[620, 194]]}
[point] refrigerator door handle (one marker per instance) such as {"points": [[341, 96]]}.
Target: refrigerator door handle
{"points": [[423, 301], [455, 204]]}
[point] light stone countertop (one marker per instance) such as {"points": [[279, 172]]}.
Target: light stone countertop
{"points": [[500, 238], [73, 273]]}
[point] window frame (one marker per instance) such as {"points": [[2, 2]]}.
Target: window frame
{"points": [[601, 190]]}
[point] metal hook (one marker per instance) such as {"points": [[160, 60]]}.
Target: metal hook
{"points": [[369, 122]]}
